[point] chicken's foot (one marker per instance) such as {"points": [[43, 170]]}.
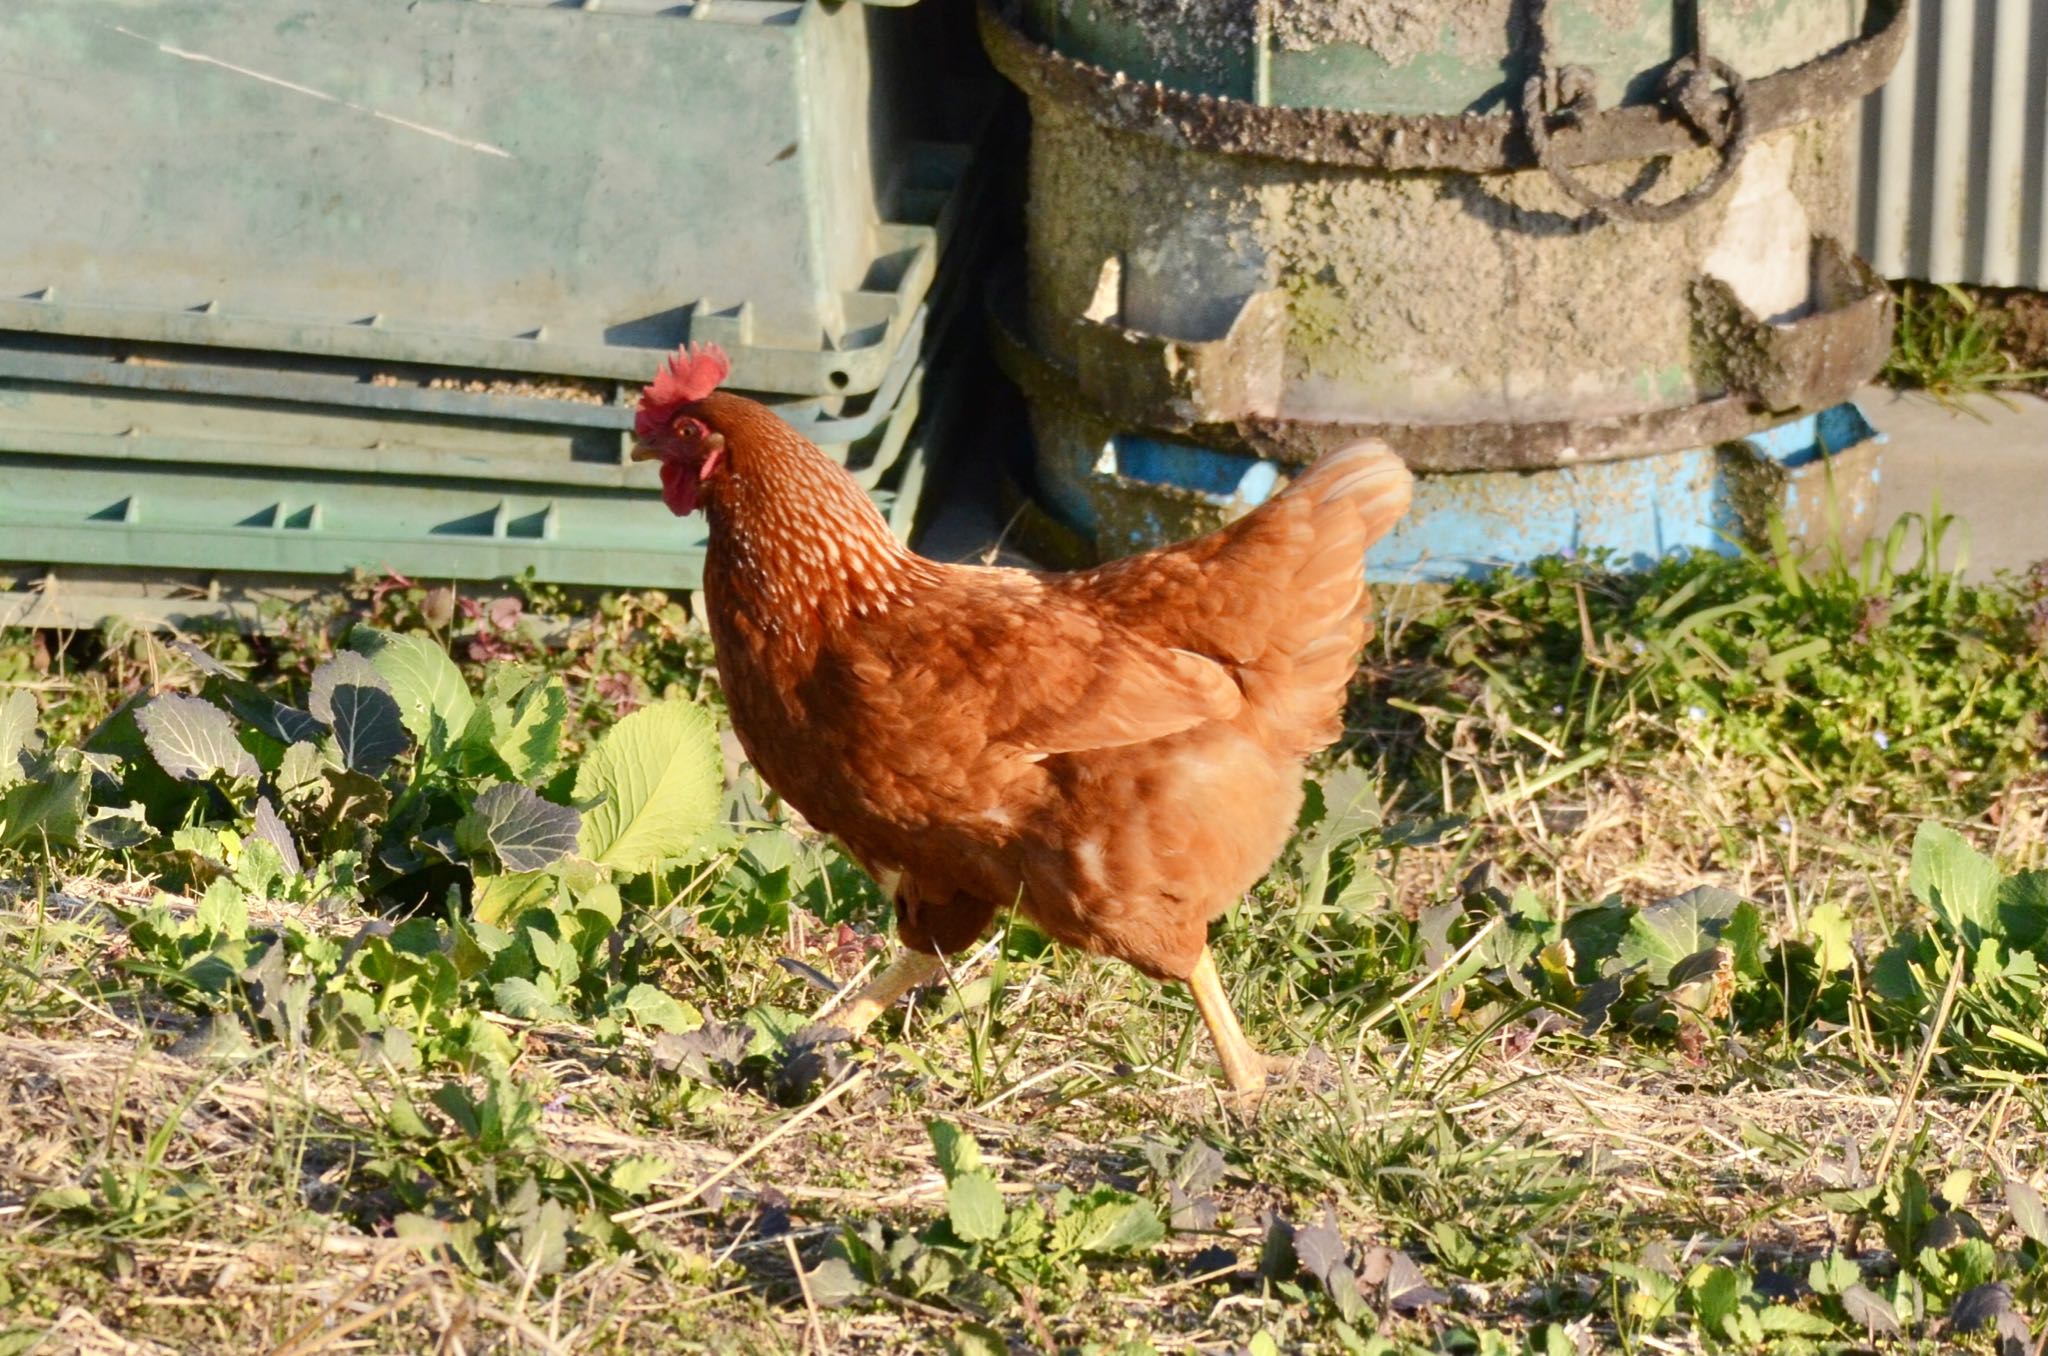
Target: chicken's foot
{"points": [[905, 973], [1244, 1067]]}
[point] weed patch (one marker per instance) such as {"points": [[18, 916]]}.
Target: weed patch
{"points": [[410, 978]]}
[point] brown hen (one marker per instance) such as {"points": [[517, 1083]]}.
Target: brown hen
{"points": [[1117, 751]]}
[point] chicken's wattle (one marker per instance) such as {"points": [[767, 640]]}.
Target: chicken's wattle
{"points": [[680, 483]]}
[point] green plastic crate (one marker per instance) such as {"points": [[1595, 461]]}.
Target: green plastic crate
{"points": [[132, 468], [523, 187], [206, 376]]}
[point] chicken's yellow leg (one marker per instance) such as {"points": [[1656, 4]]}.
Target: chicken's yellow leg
{"points": [[905, 973], [1243, 1065]]}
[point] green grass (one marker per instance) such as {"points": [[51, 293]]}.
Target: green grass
{"points": [[1646, 1001], [1948, 345]]}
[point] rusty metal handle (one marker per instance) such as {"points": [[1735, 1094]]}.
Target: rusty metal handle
{"points": [[1469, 142], [1687, 91]]}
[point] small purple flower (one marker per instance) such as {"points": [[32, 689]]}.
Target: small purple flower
{"points": [[1784, 825], [1696, 712], [556, 1107], [1881, 739], [1637, 647]]}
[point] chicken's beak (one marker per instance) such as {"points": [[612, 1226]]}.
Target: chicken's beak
{"points": [[642, 452]]}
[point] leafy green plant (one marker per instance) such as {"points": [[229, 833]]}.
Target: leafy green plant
{"points": [[1984, 936], [469, 1177], [1721, 1299], [985, 1251], [1940, 1268], [1683, 964], [42, 793], [1854, 686], [131, 1195], [396, 781], [1946, 344], [358, 864]]}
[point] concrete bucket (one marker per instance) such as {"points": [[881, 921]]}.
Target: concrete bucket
{"points": [[1582, 262]]}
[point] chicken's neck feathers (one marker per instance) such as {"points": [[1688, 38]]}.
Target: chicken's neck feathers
{"points": [[798, 543]]}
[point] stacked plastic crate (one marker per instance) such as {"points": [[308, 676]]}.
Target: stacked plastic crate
{"points": [[289, 289]]}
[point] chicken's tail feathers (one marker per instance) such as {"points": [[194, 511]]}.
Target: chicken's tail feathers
{"points": [[1352, 497], [1366, 477]]}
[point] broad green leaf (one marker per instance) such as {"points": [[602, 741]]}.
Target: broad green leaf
{"points": [[433, 701], [956, 1149], [223, 911], [636, 1174], [1596, 932], [1024, 1230], [1670, 930], [2023, 912], [266, 827], [526, 832], [116, 827], [1954, 879], [977, 1339], [975, 1207], [1319, 1250], [1869, 1310], [1703, 982], [524, 999], [540, 1238], [1833, 1274], [834, 1283], [1743, 935], [603, 900], [285, 724], [219, 1036], [404, 1118], [659, 773], [357, 701], [1716, 1294], [1893, 978], [1107, 1221], [499, 900], [429, 1235], [1595, 1004], [2028, 1213], [1783, 1318], [551, 953], [60, 1199], [50, 807], [649, 1006], [191, 738], [1829, 928], [17, 723], [528, 733], [302, 773]]}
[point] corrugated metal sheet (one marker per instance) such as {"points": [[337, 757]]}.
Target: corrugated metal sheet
{"points": [[1953, 183]]}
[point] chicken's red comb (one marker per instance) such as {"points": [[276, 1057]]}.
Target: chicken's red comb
{"points": [[691, 374]]}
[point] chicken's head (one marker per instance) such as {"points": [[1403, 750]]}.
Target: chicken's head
{"points": [[667, 428]]}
